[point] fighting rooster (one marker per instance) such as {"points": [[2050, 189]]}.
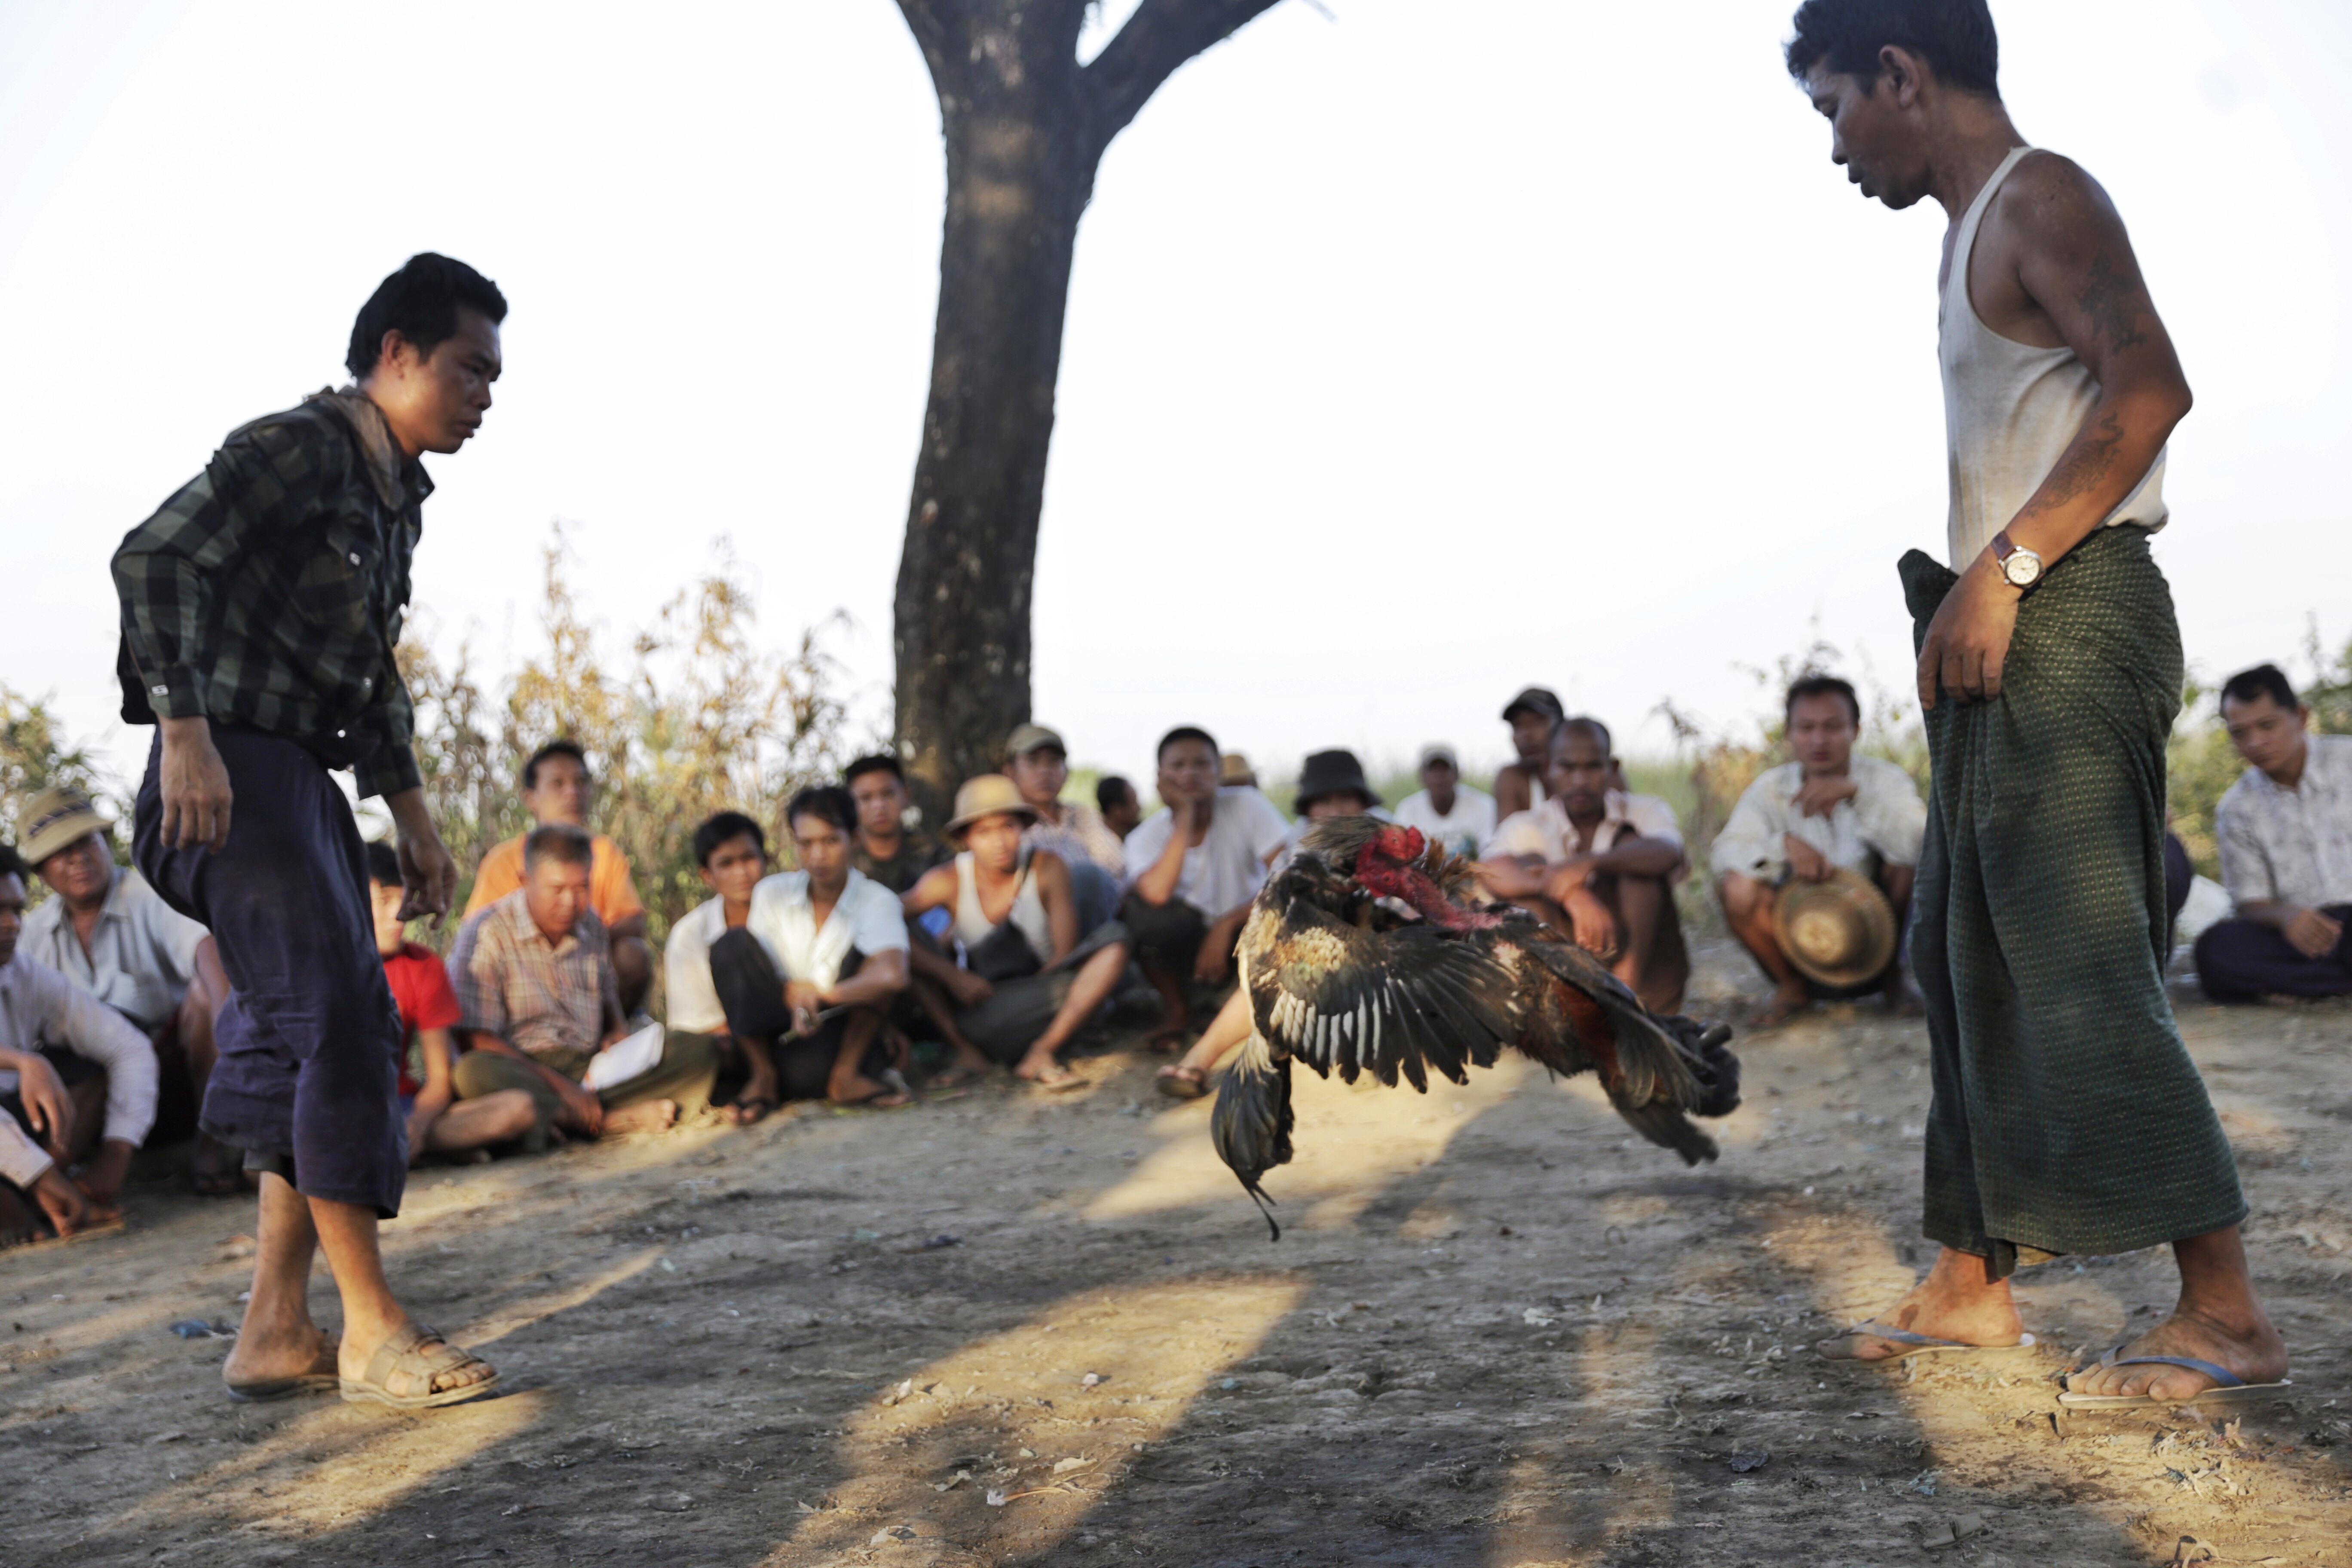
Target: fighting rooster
{"points": [[1338, 979]]}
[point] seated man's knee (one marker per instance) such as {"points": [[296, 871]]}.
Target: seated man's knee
{"points": [[476, 1077], [1742, 895]]}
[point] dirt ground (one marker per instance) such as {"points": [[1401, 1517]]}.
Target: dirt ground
{"points": [[1013, 1329]]}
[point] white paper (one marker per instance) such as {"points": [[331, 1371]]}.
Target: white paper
{"points": [[631, 1057]]}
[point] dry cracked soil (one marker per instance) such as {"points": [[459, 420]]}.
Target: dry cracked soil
{"points": [[1014, 1329]]}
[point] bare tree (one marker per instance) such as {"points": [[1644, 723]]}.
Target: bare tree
{"points": [[1025, 126]]}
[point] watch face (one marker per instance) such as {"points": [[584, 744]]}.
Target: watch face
{"points": [[2023, 568]]}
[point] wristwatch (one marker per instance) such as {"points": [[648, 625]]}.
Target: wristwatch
{"points": [[2022, 566]]}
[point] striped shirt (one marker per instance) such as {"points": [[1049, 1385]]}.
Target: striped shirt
{"points": [[535, 994], [267, 593]]}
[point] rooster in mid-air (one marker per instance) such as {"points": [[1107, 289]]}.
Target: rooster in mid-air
{"points": [[1338, 979]]}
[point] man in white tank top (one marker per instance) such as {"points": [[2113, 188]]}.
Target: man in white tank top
{"points": [[2066, 1115]]}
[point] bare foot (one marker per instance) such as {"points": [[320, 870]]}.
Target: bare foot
{"points": [[1178, 1081], [263, 1353], [2255, 1356], [1046, 1073], [652, 1116], [1955, 1301], [856, 1089], [1787, 1001]]}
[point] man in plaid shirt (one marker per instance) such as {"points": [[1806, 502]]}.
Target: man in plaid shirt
{"points": [[260, 607]]}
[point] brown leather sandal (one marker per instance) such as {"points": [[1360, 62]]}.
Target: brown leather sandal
{"points": [[423, 1356]]}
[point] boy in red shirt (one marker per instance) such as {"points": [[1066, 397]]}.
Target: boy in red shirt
{"points": [[428, 1065]]}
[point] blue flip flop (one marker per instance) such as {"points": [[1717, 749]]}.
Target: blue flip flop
{"points": [[2229, 1387], [1913, 1344]]}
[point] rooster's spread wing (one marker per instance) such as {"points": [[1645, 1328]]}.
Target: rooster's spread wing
{"points": [[1336, 996]]}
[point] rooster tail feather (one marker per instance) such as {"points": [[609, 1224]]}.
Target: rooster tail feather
{"points": [[1252, 1121]]}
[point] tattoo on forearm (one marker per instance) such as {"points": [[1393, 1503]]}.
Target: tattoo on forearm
{"points": [[2115, 301], [2086, 463]]}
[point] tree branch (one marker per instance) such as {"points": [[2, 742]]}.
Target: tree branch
{"points": [[940, 30], [1157, 39]]}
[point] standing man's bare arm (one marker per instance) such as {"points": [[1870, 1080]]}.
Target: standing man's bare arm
{"points": [[2052, 265]]}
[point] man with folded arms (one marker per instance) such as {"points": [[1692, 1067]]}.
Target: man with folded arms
{"points": [[106, 930], [47, 1124], [2285, 828], [537, 1000]]}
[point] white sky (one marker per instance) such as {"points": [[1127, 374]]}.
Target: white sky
{"points": [[1412, 356]]}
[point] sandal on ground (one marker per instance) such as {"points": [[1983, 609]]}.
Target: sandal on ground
{"points": [[955, 1075], [751, 1109], [1062, 1081], [1179, 1082], [321, 1378], [2228, 1388], [423, 1356], [1847, 1346]]}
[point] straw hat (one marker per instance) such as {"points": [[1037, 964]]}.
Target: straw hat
{"points": [[988, 795], [1233, 769], [55, 819], [1839, 933]]}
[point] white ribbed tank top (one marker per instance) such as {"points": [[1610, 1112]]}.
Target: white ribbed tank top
{"points": [[2011, 410], [1027, 914]]}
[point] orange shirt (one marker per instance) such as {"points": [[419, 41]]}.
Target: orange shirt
{"points": [[610, 892]]}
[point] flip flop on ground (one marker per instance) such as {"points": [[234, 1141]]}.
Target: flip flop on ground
{"points": [[1847, 1345], [321, 1378], [2228, 1388], [752, 1108], [420, 1355]]}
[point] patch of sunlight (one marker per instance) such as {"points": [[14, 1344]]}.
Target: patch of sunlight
{"points": [[336, 1462], [1350, 1143], [1012, 1415], [1618, 1365], [496, 1325], [1853, 1261]]}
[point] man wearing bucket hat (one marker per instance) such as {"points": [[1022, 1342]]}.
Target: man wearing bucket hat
{"points": [[110, 933], [1816, 863], [1330, 783], [1028, 982]]}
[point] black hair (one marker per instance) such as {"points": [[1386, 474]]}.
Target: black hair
{"points": [[420, 302], [2264, 679], [827, 803], [1587, 726], [564, 748], [1955, 38], [1112, 791], [879, 762], [12, 864], [558, 841], [725, 827], [1186, 732], [1822, 686], [384, 864]]}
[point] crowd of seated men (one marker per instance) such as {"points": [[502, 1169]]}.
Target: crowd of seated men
{"points": [[889, 955]]}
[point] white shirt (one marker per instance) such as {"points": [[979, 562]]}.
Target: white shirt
{"points": [[1547, 832], [142, 953], [1886, 819], [38, 1005], [2291, 846], [692, 1001], [22, 1160], [868, 919], [1462, 830], [1225, 870]]}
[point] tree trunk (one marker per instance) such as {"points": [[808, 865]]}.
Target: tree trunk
{"points": [[1024, 127]]}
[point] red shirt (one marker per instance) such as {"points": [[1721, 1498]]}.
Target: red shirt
{"points": [[420, 988]]}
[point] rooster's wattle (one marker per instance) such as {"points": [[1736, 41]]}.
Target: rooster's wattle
{"points": [[1339, 981]]}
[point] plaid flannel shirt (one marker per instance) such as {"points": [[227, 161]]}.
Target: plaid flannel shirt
{"points": [[536, 995], [267, 593]]}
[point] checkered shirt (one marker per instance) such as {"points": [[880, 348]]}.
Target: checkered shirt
{"points": [[535, 994], [267, 593]]}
